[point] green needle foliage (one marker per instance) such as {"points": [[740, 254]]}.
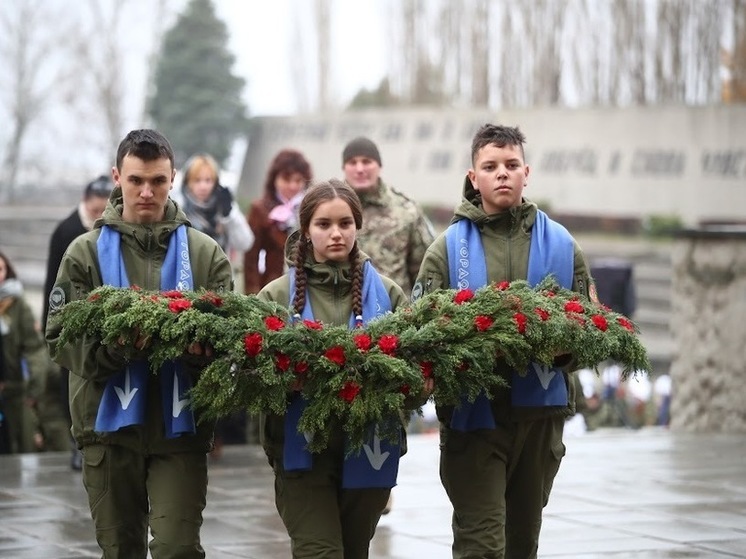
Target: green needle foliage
{"points": [[460, 338]]}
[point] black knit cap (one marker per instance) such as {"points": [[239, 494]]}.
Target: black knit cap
{"points": [[361, 147]]}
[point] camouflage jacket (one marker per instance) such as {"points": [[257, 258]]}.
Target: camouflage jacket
{"points": [[395, 234]]}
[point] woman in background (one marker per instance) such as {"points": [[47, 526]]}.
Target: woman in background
{"points": [[273, 217], [210, 206]]}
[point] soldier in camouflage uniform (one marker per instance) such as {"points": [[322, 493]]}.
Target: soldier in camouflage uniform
{"points": [[395, 232]]}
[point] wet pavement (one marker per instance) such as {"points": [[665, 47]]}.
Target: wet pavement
{"points": [[619, 493]]}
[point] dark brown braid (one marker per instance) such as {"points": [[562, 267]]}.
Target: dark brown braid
{"points": [[356, 266], [300, 253]]}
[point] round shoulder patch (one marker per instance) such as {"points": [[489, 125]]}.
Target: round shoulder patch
{"points": [[56, 298], [417, 291]]}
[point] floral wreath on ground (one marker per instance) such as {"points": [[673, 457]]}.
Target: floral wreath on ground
{"points": [[359, 376]]}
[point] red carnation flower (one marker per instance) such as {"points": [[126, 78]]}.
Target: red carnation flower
{"points": [[462, 296], [549, 294], [336, 355], [178, 305], [155, 298], [625, 323], [362, 341], [282, 362], [313, 324], [135, 287], [349, 391], [404, 389], [520, 321], [274, 323], [574, 306], [463, 366], [213, 299], [253, 344], [301, 367], [388, 344], [94, 297], [543, 315], [599, 322], [173, 294], [427, 368], [482, 322], [502, 286]]}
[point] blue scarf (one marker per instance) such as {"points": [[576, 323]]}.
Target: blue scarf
{"points": [[551, 253], [377, 465], [124, 399]]}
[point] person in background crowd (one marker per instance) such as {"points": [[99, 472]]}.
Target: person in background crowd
{"points": [[24, 358], [144, 463], [210, 207], [395, 232], [500, 454], [95, 197], [273, 217]]}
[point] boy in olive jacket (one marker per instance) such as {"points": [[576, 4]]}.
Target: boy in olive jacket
{"points": [[499, 455], [143, 465]]}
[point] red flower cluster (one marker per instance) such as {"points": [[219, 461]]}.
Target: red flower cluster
{"points": [[574, 306], [213, 299], [313, 324], [178, 305], [626, 324], [349, 391], [483, 322], [362, 341], [172, 294], [520, 322], [427, 369], [543, 314], [462, 296], [252, 343], [600, 322], [502, 286], [274, 323], [301, 367], [282, 362], [388, 344], [336, 355]]}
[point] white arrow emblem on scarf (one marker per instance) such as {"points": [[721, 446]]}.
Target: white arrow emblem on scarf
{"points": [[545, 374], [125, 396], [375, 456], [178, 404]]}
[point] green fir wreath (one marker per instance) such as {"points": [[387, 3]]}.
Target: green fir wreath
{"points": [[359, 376]]}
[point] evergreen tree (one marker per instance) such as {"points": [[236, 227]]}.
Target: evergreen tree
{"points": [[196, 101]]}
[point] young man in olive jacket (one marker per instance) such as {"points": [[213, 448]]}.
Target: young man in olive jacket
{"points": [[500, 454], [140, 471]]}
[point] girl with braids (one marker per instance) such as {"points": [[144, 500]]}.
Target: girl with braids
{"points": [[330, 503]]}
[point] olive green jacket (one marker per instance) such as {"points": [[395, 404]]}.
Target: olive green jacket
{"points": [[22, 346], [143, 249], [506, 238]]}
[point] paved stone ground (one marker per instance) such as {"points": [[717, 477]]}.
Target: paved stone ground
{"points": [[620, 494]]}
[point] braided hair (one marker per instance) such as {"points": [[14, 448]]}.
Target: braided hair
{"points": [[316, 195]]}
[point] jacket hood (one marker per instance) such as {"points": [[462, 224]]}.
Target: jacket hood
{"points": [[471, 208], [112, 216]]}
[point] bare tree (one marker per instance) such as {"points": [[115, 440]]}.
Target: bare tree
{"points": [[480, 54], [31, 81], [737, 63], [323, 34]]}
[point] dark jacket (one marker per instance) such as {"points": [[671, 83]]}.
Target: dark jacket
{"points": [[91, 363], [64, 234]]}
